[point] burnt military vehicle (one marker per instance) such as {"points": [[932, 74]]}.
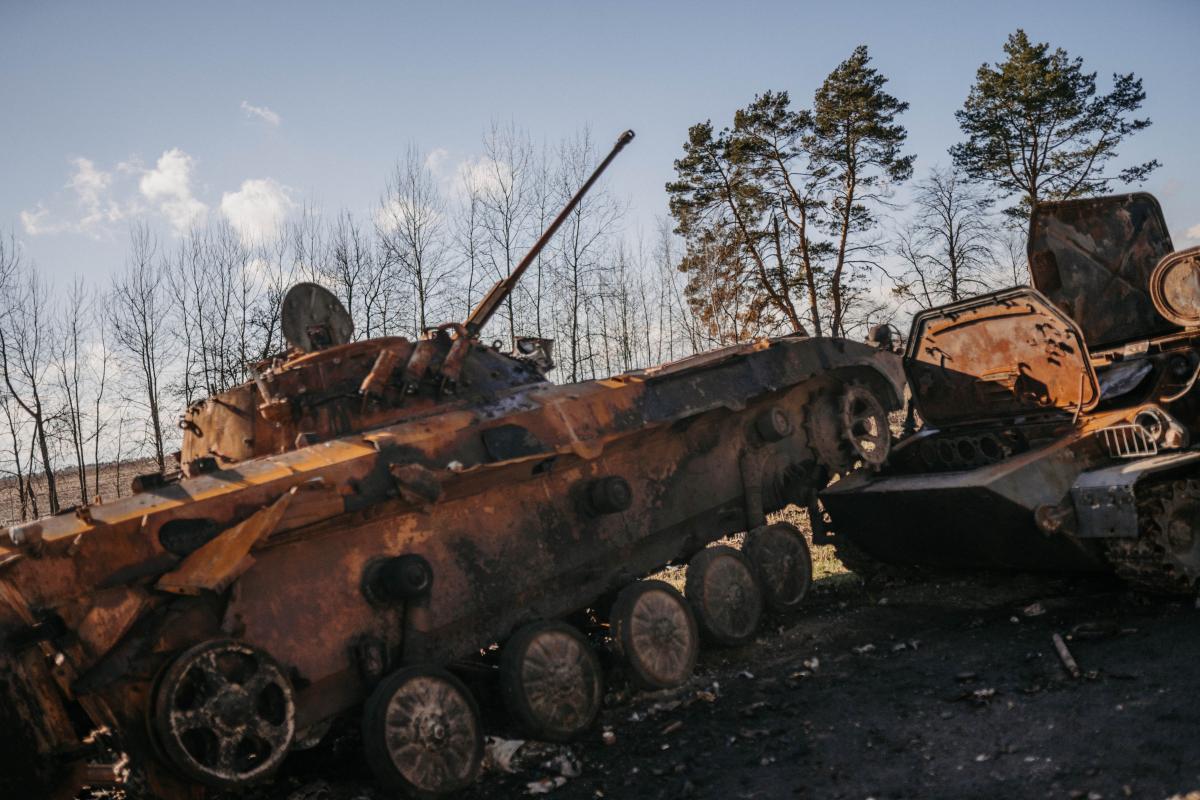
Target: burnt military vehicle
{"points": [[1058, 420], [364, 515]]}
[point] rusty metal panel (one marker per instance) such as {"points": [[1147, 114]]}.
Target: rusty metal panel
{"points": [[1175, 287], [1000, 355], [1093, 259]]}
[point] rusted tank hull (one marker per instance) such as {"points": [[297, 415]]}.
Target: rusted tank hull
{"points": [[982, 518], [498, 499], [1062, 420]]}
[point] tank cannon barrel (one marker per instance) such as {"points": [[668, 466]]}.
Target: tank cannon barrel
{"points": [[504, 287]]}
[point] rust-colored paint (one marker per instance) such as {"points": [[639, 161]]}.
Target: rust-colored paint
{"points": [[484, 476]]}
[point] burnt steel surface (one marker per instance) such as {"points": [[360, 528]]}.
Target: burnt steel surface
{"points": [[1175, 287], [999, 355], [1093, 259], [1059, 422], [364, 507], [273, 549]]}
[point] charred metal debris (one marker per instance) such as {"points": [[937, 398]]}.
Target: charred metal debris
{"points": [[364, 517]]}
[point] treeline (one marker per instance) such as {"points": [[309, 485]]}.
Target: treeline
{"points": [[100, 371], [786, 219]]}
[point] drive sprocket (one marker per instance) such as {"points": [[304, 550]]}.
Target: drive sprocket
{"points": [[848, 427]]}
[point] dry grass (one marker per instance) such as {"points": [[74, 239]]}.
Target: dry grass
{"points": [[828, 571], [114, 482]]}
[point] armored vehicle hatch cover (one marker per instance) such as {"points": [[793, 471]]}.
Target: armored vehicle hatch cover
{"points": [[1002, 355], [1093, 259]]}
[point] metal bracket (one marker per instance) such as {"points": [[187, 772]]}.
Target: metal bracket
{"points": [[1104, 499]]}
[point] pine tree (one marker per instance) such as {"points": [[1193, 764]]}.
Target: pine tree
{"points": [[1036, 128], [789, 194], [857, 144]]}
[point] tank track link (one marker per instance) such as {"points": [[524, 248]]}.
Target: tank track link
{"points": [[1147, 563]]}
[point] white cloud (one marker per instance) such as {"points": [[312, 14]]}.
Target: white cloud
{"points": [[93, 197], [436, 158], [88, 182], [257, 209], [261, 112], [1193, 233], [169, 186], [91, 186], [483, 175], [36, 222]]}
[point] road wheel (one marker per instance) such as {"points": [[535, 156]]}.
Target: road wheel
{"points": [[225, 714], [654, 632], [848, 427], [779, 554], [422, 734], [550, 679], [725, 595]]}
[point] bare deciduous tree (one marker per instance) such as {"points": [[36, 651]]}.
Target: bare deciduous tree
{"points": [[949, 249], [25, 351], [138, 318], [507, 204], [582, 247], [412, 233]]}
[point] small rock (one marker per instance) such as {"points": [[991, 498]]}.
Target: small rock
{"points": [[864, 649], [608, 737], [545, 785], [1034, 610]]}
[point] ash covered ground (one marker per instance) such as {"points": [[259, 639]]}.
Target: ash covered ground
{"points": [[950, 688]]}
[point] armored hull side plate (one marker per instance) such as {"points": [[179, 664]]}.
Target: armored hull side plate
{"points": [[1104, 499]]}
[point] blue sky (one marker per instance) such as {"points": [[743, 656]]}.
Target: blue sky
{"points": [[318, 100]]}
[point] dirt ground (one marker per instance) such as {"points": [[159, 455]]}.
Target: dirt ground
{"points": [[944, 689]]}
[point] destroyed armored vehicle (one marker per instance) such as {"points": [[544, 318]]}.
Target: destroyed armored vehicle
{"points": [[1058, 420], [364, 517]]}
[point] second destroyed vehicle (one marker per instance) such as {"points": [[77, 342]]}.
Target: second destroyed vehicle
{"points": [[1058, 421], [363, 516]]}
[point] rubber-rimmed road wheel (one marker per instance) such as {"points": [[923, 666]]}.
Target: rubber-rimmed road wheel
{"points": [[655, 635], [422, 734], [724, 594], [224, 713], [550, 679], [779, 554]]}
